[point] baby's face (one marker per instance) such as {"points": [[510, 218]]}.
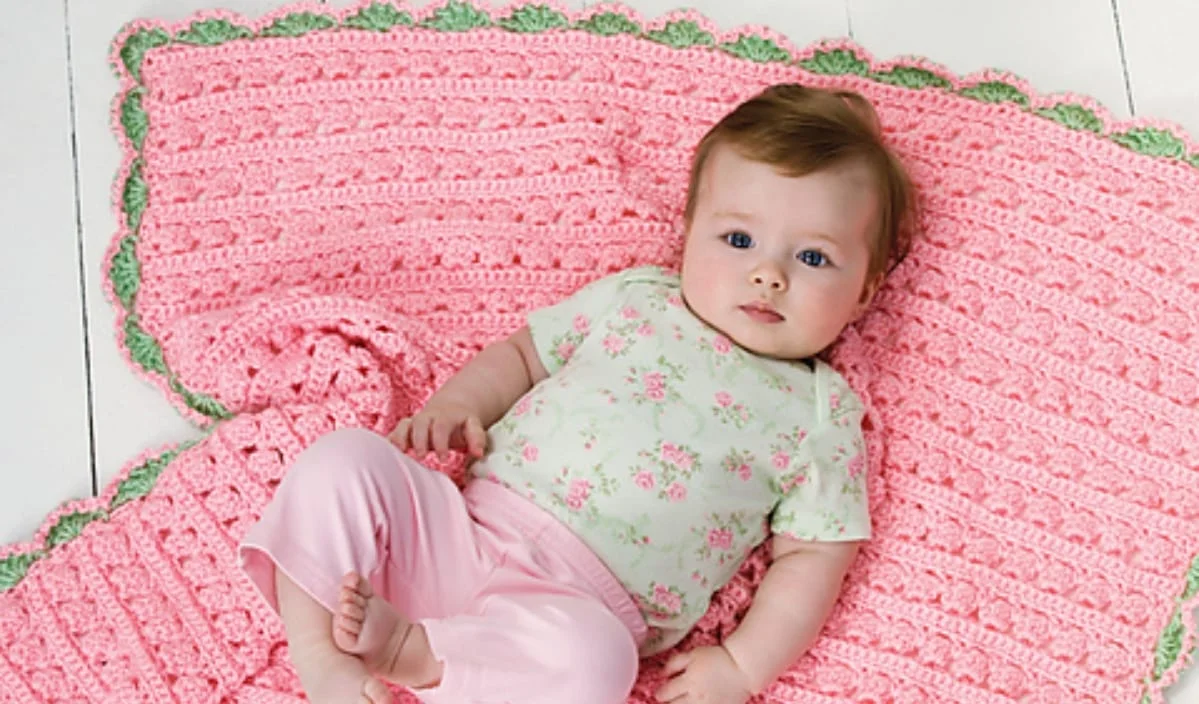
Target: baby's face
{"points": [[778, 264]]}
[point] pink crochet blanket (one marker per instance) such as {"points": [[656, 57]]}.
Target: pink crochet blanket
{"points": [[325, 212]]}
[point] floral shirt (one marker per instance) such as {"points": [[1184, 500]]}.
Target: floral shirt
{"points": [[671, 451]]}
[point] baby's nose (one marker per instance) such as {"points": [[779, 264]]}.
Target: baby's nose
{"points": [[770, 276]]}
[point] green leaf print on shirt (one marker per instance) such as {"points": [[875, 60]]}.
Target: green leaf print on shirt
{"points": [[741, 463], [663, 601], [716, 538], [630, 329], [674, 463], [731, 411], [657, 386]]}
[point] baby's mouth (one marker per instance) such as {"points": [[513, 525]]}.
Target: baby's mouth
{"points": [[762, 313]]}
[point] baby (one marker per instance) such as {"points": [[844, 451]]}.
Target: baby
{"points": [[632, 445]]}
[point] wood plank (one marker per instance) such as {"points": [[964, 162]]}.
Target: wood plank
{"points": [[45, 453]]}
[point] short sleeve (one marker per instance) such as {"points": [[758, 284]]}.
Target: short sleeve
{"points": [[824, 490], [560, 329]]}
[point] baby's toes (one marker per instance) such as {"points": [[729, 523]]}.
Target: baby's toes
{"points": [[345, 633], [354, 583]]}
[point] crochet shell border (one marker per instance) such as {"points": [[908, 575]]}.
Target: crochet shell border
{"points": [[679, 30]]}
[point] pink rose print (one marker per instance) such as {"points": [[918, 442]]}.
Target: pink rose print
{"points": [[675, 300], [676, 492], [565, 350], [644, 479], [834, 401], [666, 599], [655, 385], [724, 399], [645, 330], [675, 455], [523, 406], [721, 538], [582, 324], [614, 344], [629, 313], [530, 453], [745, 472], [781, 460], [580, 489], [800, 434], [856, 466], [721, 344]]}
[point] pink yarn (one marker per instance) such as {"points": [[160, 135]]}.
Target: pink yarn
{"points": [[332, 223]]}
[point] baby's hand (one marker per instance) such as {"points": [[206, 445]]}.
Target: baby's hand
{"points": [[706, 675], [442, 427]]}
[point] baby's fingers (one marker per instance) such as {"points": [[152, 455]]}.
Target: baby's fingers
{"points": [[677, 664], [476, 437], [439, 435], [420, 434], [399, 436]]}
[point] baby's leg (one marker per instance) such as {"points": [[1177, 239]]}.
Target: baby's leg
{"points": [[392, 647], [328, 675], [534, 649], [352, 502]]}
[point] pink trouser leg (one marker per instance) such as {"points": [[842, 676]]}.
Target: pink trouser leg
{"points": [[504, 631]]}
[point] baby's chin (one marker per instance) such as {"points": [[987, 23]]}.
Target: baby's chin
{"points": [[774, 349]]}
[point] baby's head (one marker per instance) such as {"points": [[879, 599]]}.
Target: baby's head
{"points": [[795, 211]]}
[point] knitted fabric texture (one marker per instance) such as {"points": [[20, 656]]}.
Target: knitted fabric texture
{"points": [[326, 212]]}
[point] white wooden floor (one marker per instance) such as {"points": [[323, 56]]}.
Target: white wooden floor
{"points": [[74, 414]]}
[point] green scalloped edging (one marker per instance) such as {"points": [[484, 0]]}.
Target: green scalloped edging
{"points": [[459, 16], [136, 485], [379, 17], [609, 24], [213, 33]]}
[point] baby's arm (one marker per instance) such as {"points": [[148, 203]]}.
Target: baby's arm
{"points": [[790, 607], [474, 398]]}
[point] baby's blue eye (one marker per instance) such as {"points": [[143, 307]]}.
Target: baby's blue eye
{"points": [[813, 258], [740, 240]]}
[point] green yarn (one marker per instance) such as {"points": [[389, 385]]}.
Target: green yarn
{"points": [[213, 32], [133, 118], [609, 24], [837, 62], [911, 77], [379, 17], [142, 346], [1076, 117], [996, 92], [133, 52], [457, 16], [201, 403], [1169, 645], [298, 24], [142, 479], [1192, 587], [757, 49], [125, 272], [14, 567], [682, 34], [70, 526], [534, 18], [1152, 142], [134, 196]]}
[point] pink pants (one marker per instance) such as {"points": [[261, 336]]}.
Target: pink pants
{"points": [[517, 608]]}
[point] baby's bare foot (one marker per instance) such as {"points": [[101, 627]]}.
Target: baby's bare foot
{"points": [[328, 675], [390, 645]]}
